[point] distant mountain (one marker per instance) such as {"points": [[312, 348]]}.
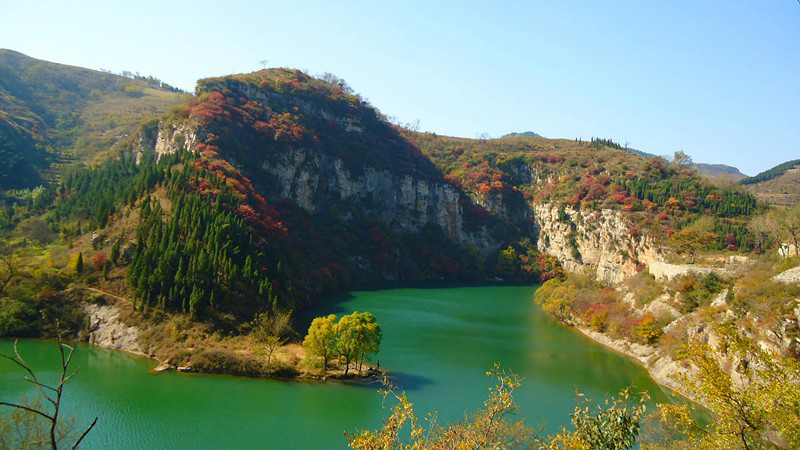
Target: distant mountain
{"points": [[54, 113], [523, 134], [717, 170], [711, 171], [779, 185], [639, 152]]}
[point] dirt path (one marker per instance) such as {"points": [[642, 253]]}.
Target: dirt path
{"points": [[109, 294]]}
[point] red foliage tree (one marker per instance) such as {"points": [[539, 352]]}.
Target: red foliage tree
{"points": [[99, 259]]}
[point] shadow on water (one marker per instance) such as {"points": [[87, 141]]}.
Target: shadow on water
{"points": [[409, 382], [403, 381], [332, 302]]}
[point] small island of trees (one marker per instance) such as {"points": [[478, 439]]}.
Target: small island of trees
{"points": [[349, 341]]}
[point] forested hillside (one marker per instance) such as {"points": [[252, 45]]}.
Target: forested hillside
{"points": [[264, 190], [779, 185]]}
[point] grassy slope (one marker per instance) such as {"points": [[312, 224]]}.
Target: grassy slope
{"points": [[54, 113], [783, 190]]}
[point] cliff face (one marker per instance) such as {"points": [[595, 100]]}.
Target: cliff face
{"points": [[327, 176], [320, 181], [601, 242]]}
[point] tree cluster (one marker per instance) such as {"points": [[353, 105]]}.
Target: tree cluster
{"points": [[774, 172], [201, 257], [350, 340]]}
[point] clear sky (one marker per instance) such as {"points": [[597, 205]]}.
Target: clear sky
{"points": [[717, 79]]}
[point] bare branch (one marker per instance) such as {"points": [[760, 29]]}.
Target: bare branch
{"points": [[35, 411], [84, 434]]}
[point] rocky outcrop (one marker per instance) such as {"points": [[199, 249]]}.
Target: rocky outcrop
{"points": [[600, 242], [165, 138], [105, 328], [788, 276], [665, 271], [317, 183]]}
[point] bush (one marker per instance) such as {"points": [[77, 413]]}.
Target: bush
{"points": [[17, 318], [648, 330], [99, 259], [226, 361]]}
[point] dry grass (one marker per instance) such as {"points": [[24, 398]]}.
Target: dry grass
{"points": [[114, 117], [781, 191]]}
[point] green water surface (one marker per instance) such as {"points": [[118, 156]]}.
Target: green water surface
{"points": [[438, 344]]}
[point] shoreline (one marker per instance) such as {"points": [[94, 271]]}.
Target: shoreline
{"points": [[654, 364], [107, 328]]}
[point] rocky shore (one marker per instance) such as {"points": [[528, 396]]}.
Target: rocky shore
{"points": [[106, 328]]}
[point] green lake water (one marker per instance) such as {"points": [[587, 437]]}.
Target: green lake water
{"points": [[438, 343]]}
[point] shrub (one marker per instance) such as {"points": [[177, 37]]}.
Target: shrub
{"points": [[648, 329], [99, 260], [225, 361]]}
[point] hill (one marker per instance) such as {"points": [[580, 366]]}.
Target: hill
{"points": [[523, 134], [54, 113], [718, 170], [779, 185], [279, 161], [714, 172], [264, 190]]}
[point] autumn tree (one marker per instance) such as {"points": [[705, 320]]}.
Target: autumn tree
{"points": [[613, 425], [765, 229], [507, 263], [99, 260], [269, 332], [555, 297], [491, 427], [321, 339], [357, 335], [759, 408], [11, 268], [648, 329], [789, 223], [681, 159], [694, 238]]}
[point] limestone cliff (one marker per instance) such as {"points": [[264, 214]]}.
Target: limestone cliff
{"points": [[601, 242], [321, 181]]}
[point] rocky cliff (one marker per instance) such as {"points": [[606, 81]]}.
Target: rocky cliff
{"points": [[600, 242], [322, 182]]}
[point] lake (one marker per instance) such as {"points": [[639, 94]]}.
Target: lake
{"points": [[438, 343]]}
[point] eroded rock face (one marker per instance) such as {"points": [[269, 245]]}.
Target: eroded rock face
{"points": [[600, 242], [165, 139], [106, 329], [788, 276], [319, 182]]}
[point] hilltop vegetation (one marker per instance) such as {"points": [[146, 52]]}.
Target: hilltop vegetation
{"points": [[659, 197], [778, 186], [54, 114], [769, 174]]}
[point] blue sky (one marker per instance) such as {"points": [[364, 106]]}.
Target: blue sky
{"points": [[717, 79]]}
